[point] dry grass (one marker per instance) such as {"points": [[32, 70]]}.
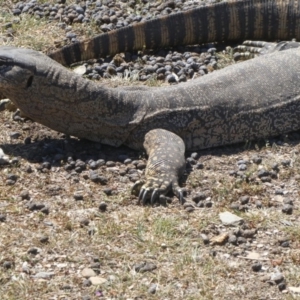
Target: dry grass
{"points": [[128, 234]]}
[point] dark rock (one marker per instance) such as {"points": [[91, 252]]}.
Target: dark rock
{"points": [[103, 206], [256, 267], [287, 209]]}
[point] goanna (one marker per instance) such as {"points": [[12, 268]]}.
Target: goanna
{"points": [[245, 101]]}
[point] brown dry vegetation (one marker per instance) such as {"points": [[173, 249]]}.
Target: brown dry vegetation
{"points": [[80, 235]]}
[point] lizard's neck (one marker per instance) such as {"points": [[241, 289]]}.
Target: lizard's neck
{"points": [[76, 106]]}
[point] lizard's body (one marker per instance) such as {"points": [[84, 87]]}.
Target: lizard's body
{"points": [[249, 100]]}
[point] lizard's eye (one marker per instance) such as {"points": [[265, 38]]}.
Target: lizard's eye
{"points": [[29, 81]]}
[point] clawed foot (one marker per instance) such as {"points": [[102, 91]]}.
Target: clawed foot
{"points": [[250, 49], [153, 189]]}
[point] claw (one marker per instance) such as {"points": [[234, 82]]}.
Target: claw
{"points": [[181, 196], [137, 187], [144, 199], [154, 196], [141, 195]]}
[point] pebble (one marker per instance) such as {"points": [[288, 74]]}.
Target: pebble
{"points": [[33, 251], [282, 286], [7, 264], [257, 159], [287, 209], [199, 197], [4, 159], [87, 282], [107, 191], [44, 239], [145, 267], [244, 200], [2, 218], [24, 195], [152, 288], [84, 222], [14, 135], [227, 218], [232, 239], [97, 280], [277, 277], [78, 196], [103, 206], [44, 275], [88, 272], [256, 267], [36, 206]]}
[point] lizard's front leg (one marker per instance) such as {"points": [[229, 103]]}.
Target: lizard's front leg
{"points": [[166, 163]]}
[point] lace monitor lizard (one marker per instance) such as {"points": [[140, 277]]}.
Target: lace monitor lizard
{"points": [[245, 101]]}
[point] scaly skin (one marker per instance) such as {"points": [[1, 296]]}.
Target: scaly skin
{"points": [[246, 101], [232, 20], [242, 102]]}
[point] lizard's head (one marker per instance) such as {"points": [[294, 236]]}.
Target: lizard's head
{"points": [[17, 69]]}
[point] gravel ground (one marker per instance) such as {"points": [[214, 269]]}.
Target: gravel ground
{"points": [[70, 229]]}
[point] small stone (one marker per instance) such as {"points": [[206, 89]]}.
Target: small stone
{"points": [[88, 272], [242, 167], [258, 204], [107, 191], [199, 197], [189, 209], [25, 195], [208, 203], [288, 201], [96, 280], [145, 267], [78, 196], [241, 240], [262, 173], [15, 135], [7, 264], [33, 251], [2, 218], [235, 206], [84, 222], [256, 159], [10, 182], [256, 267], [4, 159], [205, 238], [163, 246], [44, 239], [244, 200], [232, 239], [282, 286], [248, 233], [35, 206], [87, 282], [286, 162], [12, 177], [45, 210], [227, 218], [44, 275], [287, 209], [277, 277], [103, 206], [152, 289]]}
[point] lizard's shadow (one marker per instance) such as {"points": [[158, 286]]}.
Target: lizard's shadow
{"points": [[58, 150]]}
